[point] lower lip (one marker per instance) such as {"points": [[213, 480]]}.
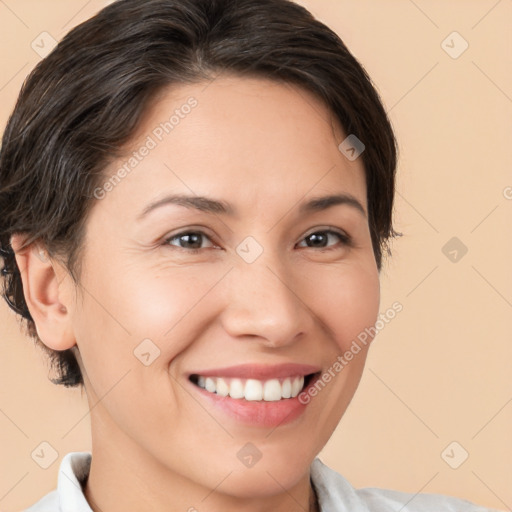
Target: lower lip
{"points": [[258, 413]]}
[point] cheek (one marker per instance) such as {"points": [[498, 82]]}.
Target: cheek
{"points": [[350, 300], [166, 306]]}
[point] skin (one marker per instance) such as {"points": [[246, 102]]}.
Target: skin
{"points": [[262, 147]]}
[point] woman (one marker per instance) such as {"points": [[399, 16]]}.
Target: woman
{"points": [[196, 197]]}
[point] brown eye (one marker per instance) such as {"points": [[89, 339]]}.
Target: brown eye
{"points": [[320, 239], [188, 240]]}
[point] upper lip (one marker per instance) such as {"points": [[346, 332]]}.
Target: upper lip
{"points": [[260, 371]]}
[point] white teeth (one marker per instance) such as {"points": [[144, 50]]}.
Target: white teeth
{"points": [[210, 385], [297, 386], [253, 390], [270, 390], [287, 388], [236, 388], [222, 387]]}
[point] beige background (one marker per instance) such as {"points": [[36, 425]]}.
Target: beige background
{"points": [[440, 371]]}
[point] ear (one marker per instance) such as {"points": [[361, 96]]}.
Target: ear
{"points": [[43, 294]]}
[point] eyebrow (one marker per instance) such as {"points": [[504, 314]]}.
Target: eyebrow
{"points": [[209, 205], [322, 203]]}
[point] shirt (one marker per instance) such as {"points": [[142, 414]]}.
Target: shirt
{"points": [[335, 493]]}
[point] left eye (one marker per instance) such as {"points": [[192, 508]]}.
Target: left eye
{"points": [[319, 239], [191, 240]]}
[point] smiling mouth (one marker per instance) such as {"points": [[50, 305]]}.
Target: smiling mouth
{"points": [[269, 390]]}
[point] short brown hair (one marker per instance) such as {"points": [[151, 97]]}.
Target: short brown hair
{"points": [[84, 101]]}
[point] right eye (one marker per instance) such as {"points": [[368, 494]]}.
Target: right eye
{"points": [[188, 239]]}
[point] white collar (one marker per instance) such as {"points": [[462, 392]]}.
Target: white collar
{"points": [[75, 467], [73, 471], [335, 493]]}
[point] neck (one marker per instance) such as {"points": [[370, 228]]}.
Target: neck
{"points": [[313, 501]]}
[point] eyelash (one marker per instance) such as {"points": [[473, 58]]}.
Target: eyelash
{"points": [[346, 240]]}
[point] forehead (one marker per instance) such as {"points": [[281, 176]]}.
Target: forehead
{"points": [[247, 138]]}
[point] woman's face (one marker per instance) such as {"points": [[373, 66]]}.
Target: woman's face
{"points": [[248, 284]]}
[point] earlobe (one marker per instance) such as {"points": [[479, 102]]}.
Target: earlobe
{"points": [[43, 295]]}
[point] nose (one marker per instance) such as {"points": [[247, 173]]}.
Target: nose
{"points": [[263, 300]]}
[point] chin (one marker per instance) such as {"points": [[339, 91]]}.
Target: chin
{"points": [[268, 476]]}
